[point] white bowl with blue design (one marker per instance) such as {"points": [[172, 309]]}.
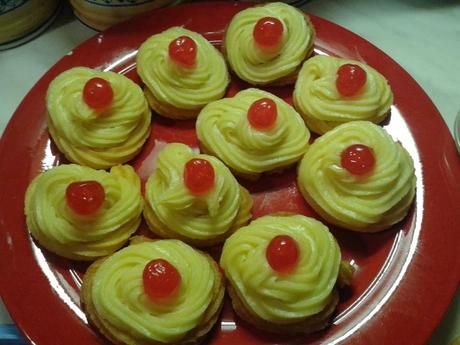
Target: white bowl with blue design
{"points": [[22, 20], [101, 14]]}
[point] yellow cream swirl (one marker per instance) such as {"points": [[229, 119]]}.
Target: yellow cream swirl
{"points": [[56, 227], [254, 65], [87, 137], [223, 129], [282, 298], [323, 107], [120, 301], [183, 88], [173, 211], [368, 203]]}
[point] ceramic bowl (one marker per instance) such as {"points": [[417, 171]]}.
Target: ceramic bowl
{"points": [[101, 14], [22, 20]]}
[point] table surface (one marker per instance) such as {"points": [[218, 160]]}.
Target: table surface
{"points": [[421, 35]]}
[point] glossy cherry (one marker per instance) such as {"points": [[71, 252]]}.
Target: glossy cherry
{"points": [[350, 79], [85, 197], [98, 94], [282, 253], [182, 51], [199, 176], [262, 114], [268, 32], [358, 159], [160, 279]]}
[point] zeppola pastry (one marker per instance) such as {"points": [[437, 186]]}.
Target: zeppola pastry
{"points": [[154, 292], [283, 273], [330, 91], [194, 197], [182, 72], [81, 213], [97, 119], [253, 132], [267, 44], [355, 176]]}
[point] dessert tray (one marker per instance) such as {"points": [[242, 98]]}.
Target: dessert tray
{"points": [[405, 278]]}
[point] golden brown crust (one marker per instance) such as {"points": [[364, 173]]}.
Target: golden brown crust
{"points": [[346, 273], [195, 336], [290, 78], [308, 325], [242, 218], [169, 111]]}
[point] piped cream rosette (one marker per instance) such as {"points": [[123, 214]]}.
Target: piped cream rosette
{"points": [[323, 107], [115, 300], [300, 301], [260, 67], [368, 203], [224, 131], [91, 138], [174, 91], [172, 211], [57, 228]]}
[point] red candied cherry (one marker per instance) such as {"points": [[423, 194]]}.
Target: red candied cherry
{"points": [[198, 176], [358, 159], [85, 197], [182, 51], [160, 279], [262, 114], [350, 79], [98, 94], [282, 253], [268, 32]]}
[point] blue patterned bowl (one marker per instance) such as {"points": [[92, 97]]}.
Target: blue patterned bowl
{"points": [[22, 20], [101, 14]]}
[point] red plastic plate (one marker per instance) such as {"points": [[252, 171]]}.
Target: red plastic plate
{"points": [[406, 275]]}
